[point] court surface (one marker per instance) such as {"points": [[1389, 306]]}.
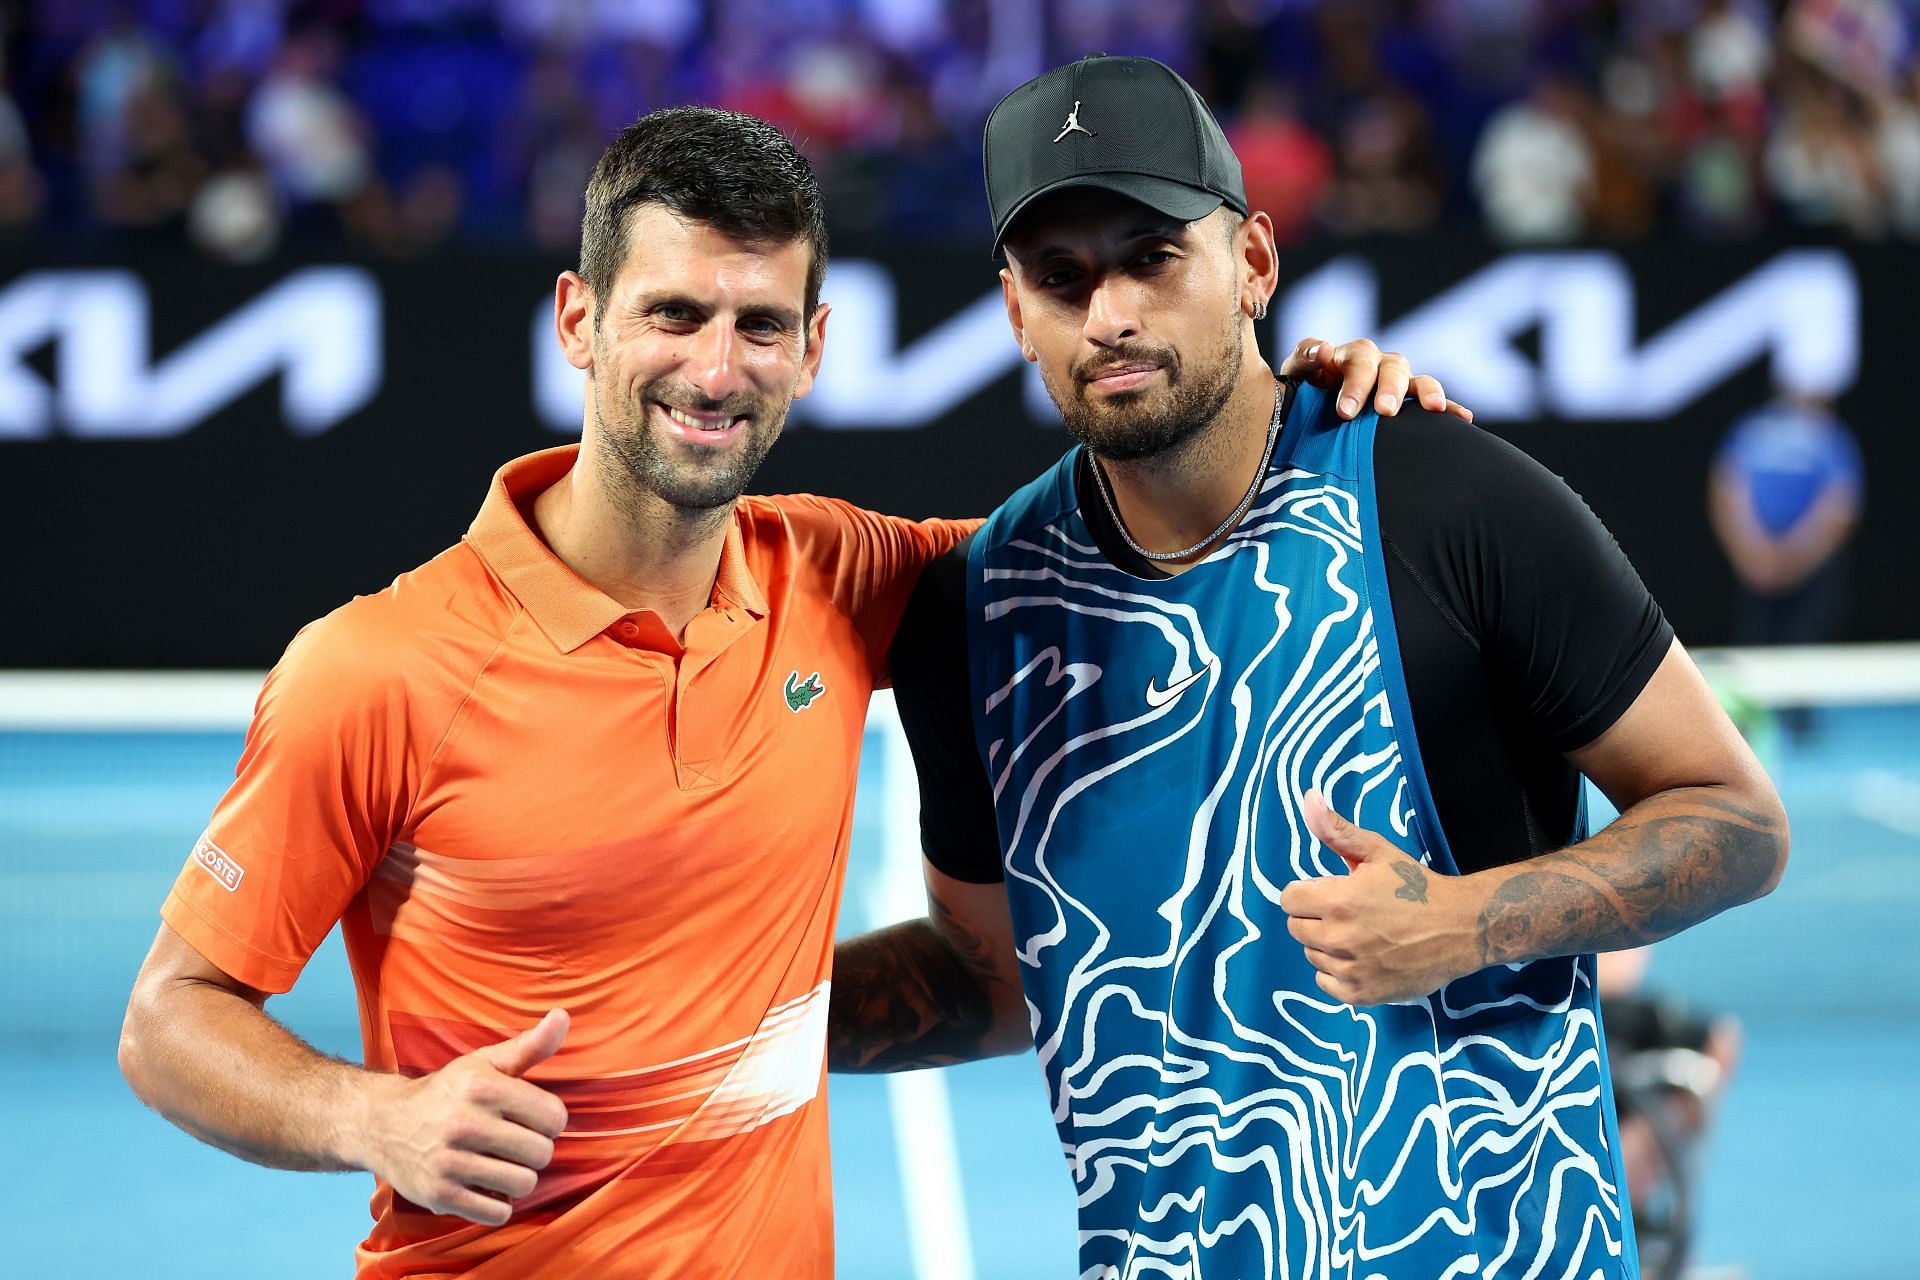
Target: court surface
{"points": [[950, 1175]]}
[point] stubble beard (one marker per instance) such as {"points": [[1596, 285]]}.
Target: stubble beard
{"points": [[1150, 423], [646, 463]]}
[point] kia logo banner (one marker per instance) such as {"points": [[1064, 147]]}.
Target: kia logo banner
{"points": [[200, 459]]}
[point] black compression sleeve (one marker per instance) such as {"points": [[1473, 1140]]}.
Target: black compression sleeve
{"points": [[1564, 625], [931, 690]]}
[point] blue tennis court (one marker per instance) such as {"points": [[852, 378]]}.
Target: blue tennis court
{"points": [[942, 1176]]}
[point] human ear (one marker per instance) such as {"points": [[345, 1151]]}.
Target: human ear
{"points": [[1257, 263], [573, 307], [816, 350], [1010, 294]]}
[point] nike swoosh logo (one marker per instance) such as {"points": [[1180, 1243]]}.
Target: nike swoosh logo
{"points": [[1161, 697]]}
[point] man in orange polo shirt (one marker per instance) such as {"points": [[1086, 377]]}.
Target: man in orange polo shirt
{"points": [[579, 790], [596, 759]]}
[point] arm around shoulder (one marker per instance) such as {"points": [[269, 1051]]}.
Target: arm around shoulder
{"points": [[930, 992], [946, 988]]}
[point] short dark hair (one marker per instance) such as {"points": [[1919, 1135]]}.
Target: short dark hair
{"points": [[735, 173]]}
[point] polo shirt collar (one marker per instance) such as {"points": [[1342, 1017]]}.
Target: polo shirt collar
{"points": [[566, 607]]}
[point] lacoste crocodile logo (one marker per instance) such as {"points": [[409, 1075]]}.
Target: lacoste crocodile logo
{"points": [[800, 694]]}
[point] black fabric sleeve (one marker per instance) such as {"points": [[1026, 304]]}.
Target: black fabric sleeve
{"points": [[931, 689], [1524, 633], [1524, 568]]}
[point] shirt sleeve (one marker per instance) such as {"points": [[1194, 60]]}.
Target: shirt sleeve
{"points": [[882, 558], [932, 691], [1566, 628], [317, 797]]}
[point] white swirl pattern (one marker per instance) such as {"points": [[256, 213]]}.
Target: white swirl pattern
{"points": [[1221, 1117]]}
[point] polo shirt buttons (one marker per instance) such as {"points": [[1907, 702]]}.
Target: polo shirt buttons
{"points": [[629, 629]]}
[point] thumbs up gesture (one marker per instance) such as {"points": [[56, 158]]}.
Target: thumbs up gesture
{"points": [[1387, 931], [470, 1138]]}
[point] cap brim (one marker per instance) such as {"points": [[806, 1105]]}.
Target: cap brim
{"points": [[1175, 199]]}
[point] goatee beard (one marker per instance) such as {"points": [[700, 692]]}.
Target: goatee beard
{"points": [[1132, 426], [644, 462]]}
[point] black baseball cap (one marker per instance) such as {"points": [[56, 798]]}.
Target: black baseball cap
{"points": [[1128, 125]]}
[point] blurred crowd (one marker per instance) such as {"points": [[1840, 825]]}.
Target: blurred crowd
{"points": [[395, 125]]}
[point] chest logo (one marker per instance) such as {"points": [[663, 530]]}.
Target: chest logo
{"points": [[801, 693], [1158, 697]]}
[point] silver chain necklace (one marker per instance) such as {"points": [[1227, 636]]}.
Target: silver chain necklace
{"points": [[1233, 517]]}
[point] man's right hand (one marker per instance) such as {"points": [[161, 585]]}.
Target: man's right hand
{"points": [[1358, 369], [470, 1138]]}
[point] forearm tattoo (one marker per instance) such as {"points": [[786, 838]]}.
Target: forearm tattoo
{"points": [[917, 994], [1689, 857]]}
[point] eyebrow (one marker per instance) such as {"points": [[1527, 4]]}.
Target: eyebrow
{"points": [[1167, 230]]}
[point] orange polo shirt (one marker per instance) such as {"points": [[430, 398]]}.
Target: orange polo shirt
{"points": [[516, 795]]}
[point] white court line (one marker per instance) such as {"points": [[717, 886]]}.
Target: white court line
{"points": [[930, 1176], [128, 700], [1823, 675], [928, 1157], [1888, 798], [1819, 675]]}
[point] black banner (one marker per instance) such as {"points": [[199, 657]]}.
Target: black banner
{"points": [[200, 459]]}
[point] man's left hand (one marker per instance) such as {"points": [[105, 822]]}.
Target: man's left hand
{"points": [[1360, 368], [1387, 931]]}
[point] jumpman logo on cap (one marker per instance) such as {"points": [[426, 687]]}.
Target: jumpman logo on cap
{"points": [[1073, 124]]}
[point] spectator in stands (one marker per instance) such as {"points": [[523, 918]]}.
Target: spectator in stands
{"points": [[1716, 119], [1388, 181], [1719, 189], [1785, 496], [236, 214], [304, 127], [1724, 117], [1896, 143], [1286, 165], [159, 170], [1632, 152], [830, 94], [1729, 52], [111, 73], [1855, 42], [1534, 169], [1820, 160], [924, 175], [551, 141], [22, 193]]}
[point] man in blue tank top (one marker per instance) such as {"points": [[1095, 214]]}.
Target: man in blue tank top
{"points": [[1250, 743]]}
